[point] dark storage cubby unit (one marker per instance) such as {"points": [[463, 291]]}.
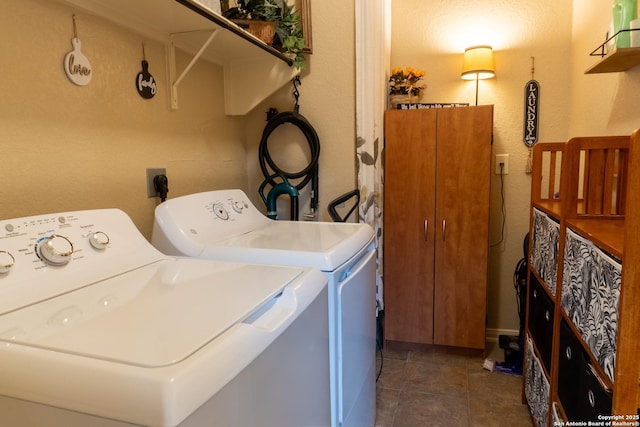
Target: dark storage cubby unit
{"points": [[541, 315], [581, 393]]}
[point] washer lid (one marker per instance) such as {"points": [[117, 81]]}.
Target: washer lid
{"points": [[153, 316], [323, 245]]}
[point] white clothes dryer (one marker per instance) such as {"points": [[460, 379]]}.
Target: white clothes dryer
{"points": [[99, 328], [225, 225]]}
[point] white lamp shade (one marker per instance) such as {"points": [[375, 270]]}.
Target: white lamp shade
{"points": [[478, 63]]}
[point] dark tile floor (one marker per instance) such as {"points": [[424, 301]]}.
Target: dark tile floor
{"points": [[446, 387]]}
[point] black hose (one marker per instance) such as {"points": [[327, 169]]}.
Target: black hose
{"points": [[309, 173]]}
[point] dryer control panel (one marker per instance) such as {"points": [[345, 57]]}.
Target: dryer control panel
{"points": [[229, 208], [232, 206], [208, 216]]}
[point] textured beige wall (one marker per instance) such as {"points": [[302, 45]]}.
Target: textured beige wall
{"points": [[68, 147], [327, 101], [602, 104], [432, 35]]}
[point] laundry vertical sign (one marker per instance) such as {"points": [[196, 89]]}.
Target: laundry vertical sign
{"points": [[531, 111]]}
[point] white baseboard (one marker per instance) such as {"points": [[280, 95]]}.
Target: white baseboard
{"points": [[493, 334]]}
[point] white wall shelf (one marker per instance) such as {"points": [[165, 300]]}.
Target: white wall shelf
{"points": [[253, 70]]}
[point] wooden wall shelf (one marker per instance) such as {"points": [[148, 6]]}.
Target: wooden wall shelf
{"points": [[618, 60]]}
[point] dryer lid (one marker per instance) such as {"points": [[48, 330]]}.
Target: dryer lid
{"points": [[322, 245], [153, 316], [224, 224]]}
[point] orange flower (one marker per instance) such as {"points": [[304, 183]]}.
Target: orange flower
{"points": [[404, 81]]}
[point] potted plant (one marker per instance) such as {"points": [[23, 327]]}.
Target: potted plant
{"points": [[286, 33], [248, 9], [289, 32]]}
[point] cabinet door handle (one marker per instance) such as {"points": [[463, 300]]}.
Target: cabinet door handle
{"points": [[426, 230], [444, 230]]}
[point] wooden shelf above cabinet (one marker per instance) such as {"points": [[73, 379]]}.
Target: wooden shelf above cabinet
{"points": [[617, 60], [252, 69]]}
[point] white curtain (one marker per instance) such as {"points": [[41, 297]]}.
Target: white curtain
{"points": [[373, 30]]}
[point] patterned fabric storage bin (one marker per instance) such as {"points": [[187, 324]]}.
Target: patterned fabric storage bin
{"points": [[536, 387], [590, 295], [556, 417], [544, 249]]}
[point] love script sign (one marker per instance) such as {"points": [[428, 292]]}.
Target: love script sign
{"points": [[76, 65]]}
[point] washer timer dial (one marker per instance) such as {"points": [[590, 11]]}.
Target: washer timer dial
{"points": [[55, 249], [220, 211]]}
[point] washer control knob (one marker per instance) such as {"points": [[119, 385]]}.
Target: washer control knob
{"points": [[237, 206], [55, 249], [99, 240], [220, 211], [6, 262]]}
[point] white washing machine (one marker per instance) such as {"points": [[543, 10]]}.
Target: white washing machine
{"points": [[98, 328], [225, 225]]}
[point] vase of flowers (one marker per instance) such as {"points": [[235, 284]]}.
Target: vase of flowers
{"points": [[404, 86]]}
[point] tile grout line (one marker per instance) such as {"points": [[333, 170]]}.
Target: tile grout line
{"points": [[402, 385]]}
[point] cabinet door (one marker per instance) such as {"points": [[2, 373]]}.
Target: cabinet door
{"points": [[410, 157], [462, 215]]}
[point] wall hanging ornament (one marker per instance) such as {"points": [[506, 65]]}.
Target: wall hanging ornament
{"points": [[145, 83], [76, 65], [531, 113]]}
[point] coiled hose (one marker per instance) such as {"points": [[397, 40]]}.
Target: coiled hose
{"points": [[309, 173]]}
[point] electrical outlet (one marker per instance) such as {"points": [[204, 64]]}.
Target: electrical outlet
{"points": [[502, 164], [151, 173]]}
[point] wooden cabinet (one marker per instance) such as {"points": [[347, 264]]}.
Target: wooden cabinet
{"points": [[437, 182]]}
